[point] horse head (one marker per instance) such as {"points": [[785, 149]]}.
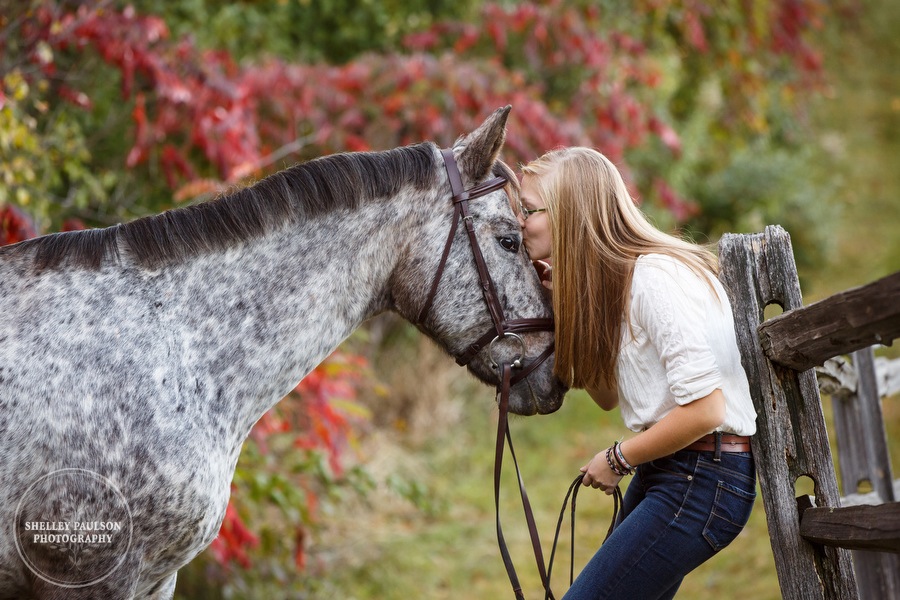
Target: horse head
{"points": [[439, 286]]}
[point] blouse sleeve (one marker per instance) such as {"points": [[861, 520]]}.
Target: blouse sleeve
{"points": [[669, 303]]}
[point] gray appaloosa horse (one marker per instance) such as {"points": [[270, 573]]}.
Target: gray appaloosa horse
{"points": [[134, 360]]}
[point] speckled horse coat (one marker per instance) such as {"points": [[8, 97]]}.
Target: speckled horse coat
{"points": [[134, 360]]}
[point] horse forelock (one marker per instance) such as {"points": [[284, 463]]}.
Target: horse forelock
{"points": [[513, 187], [317, 187]]}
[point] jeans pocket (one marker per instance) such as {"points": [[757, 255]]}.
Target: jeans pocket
{"points": [[669, 467], [738, 468], [730, 512]]}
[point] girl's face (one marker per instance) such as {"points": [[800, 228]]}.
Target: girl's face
{"points": [[535, 225]]}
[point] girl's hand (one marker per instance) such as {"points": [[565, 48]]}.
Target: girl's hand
{"points": [[545, 273], [597, 474]]}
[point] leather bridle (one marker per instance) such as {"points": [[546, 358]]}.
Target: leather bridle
{"points": [[502, 328]]}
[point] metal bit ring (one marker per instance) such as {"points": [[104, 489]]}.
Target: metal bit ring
{"points": [[517, 363]]}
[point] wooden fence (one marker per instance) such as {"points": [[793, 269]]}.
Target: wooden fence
{"points": [[856, 389], [812, 536]]}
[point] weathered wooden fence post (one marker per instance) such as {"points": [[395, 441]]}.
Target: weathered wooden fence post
{"points": [[791, 440], [863, 456], [862, 445]]}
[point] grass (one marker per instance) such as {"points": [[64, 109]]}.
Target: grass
{"points": [[399, 551], [453, 554]]}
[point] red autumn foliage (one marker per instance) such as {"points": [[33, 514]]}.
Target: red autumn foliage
{"points": [[15, 226], [208, 112], [319, 415], [233, 540]]}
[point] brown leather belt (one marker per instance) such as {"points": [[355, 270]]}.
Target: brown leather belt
{"points": [[729, 443]]}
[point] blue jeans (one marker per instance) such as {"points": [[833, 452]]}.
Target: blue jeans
{"points": [[679, 511]]}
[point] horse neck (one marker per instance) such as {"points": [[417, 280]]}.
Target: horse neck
{"points": [[272, 309]]}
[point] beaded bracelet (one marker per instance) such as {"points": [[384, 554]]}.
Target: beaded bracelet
{"points": [[620, 458], [613, 464]]}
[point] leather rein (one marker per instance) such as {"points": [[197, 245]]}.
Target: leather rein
{"points": [[502, 328]]}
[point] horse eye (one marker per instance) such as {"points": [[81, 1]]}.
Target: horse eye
{"points": [[509, 243]]}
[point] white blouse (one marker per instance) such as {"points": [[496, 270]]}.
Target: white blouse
{"points": [[683, 348]]}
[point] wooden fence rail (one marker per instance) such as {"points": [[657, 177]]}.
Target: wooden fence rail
{"points": [[857, 318], [852, 526], [810, 535]]}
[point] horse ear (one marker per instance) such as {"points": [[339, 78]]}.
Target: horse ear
{"points": [[477, 151]]}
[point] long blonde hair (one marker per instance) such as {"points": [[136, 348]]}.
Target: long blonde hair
{"points": [[598, 233]]}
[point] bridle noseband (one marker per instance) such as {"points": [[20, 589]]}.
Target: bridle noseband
{"points": [[502, 329]]}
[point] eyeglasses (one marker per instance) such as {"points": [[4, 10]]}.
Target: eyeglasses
{"points": [[527, 212]]}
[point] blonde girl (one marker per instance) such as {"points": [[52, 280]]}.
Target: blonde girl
{"points": [[642, 323]]}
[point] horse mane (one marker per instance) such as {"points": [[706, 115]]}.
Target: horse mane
{"points": [[322, 185]]}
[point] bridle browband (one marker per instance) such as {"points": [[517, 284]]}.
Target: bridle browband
{"points": [[502, 328]]}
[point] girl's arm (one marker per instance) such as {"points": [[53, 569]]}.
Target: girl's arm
{"points": [[606, 398], [684, 425], [681, 427]]}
